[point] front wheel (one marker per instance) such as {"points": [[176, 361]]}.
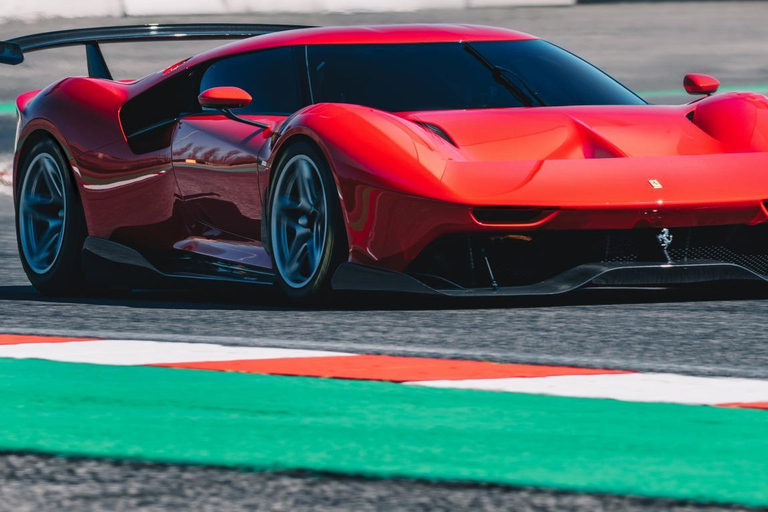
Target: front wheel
{"points": [[306, 228]]}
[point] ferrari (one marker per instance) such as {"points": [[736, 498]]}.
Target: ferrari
{"points": [[433, 159]]}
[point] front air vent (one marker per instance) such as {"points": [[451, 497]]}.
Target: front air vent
{"points": [[437, 131], [509, 215]]}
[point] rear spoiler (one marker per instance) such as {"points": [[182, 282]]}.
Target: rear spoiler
{"points": [[12, 51]]}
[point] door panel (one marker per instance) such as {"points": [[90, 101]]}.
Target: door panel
{"points": [[215, 160]]}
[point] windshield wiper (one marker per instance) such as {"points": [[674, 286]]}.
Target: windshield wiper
{"points": [[502, 74], [534, 94]]}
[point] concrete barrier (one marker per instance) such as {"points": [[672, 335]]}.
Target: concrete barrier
{"points": [[170, 7], [173, 7], [36, 9]]}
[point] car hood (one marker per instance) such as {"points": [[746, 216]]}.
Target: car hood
{"points": [[734, 122]]}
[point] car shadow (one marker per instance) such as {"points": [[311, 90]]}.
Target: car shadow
{"points": [[267, 299]]}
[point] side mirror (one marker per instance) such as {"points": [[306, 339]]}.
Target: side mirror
{"points": [[696, 83], [224, 98]]}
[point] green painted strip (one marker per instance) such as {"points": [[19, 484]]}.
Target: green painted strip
{"points": [[681, 91], [7, 109], [384, 430]]}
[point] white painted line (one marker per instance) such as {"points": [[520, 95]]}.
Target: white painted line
{"points": [[630, 387], [133, 353]]}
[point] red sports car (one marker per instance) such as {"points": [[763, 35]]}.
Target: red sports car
{"points": [[437, 159]]}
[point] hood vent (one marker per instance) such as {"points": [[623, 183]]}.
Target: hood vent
{"points": [[437, 131], [595, 145]]}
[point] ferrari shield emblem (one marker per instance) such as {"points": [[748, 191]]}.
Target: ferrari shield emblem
{"points": [[655, 183]]}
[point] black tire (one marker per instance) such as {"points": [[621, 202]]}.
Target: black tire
{"points": [[313, 285], [63, 275]]}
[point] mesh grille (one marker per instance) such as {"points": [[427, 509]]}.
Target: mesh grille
{"points": [[757, 263], [519, 259], [743, 245]]}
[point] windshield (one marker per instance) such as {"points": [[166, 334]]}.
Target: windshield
{"points": [[457, 76]]}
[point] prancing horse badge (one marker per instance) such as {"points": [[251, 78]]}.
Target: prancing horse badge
{"points": [[655, 183], [665, 240]]}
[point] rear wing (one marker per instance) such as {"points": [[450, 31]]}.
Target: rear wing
{"points": [[12, 51]]}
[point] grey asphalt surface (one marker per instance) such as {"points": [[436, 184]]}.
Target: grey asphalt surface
{"points": [[34, 483], [649, 47]]}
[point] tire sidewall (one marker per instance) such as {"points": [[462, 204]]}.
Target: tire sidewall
{"points": [[336, 247], [66, 271]]}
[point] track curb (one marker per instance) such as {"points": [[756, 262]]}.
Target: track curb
{"points": [[566, 381]]}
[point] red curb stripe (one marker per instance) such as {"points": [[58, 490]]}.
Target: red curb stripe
{"points": [[388, 368], [747, 405], [14, 339]]}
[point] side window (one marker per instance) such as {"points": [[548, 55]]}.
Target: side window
{"points": [[269, 76], [148, 119]]}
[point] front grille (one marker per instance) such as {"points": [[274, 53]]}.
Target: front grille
{"points": [[526, 258]]}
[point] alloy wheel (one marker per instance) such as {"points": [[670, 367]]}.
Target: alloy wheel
{"points": [[299, 221], [42, 213]]}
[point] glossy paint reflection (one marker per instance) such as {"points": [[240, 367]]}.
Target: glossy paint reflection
{"points": [[216, 162]]}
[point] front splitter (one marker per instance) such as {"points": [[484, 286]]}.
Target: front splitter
{"points": [[356, 277]]}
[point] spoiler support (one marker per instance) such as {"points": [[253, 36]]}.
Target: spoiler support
{"points": [[12, 51]]}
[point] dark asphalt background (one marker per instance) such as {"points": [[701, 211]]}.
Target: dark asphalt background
{"points": [[696, 331], [34, 483]]}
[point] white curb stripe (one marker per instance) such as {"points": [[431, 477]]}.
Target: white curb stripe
{"points": [[129, 352], [629, 387]]}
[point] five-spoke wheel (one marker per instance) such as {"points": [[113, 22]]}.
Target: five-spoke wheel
{"points": [[42, 205], [299, 221], [50, 226], [306, 233]]}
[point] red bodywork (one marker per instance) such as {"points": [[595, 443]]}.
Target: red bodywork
{"points": [[402, 186]]}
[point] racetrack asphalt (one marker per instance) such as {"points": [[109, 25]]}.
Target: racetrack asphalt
{"points": [[40, 483], [695, 331]]}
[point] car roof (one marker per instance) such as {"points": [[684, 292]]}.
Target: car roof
{"points": [[369, 34]]}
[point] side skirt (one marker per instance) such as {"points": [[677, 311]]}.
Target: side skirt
{"points": [[114, 264]]}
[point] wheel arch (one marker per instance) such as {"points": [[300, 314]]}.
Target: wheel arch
{"points": [[28, 144], [285, 144], [379, 162], [276, 157], [64, 275]]}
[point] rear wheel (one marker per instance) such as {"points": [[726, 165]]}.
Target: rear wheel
{"points": [[50, 226], [306, 228]]}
